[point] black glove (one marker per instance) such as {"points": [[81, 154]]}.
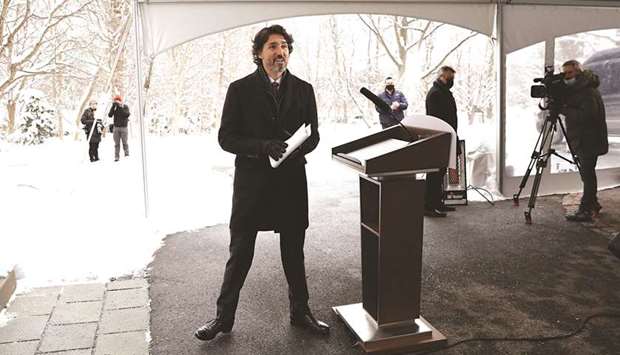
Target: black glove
{"points": [[274, 148]]}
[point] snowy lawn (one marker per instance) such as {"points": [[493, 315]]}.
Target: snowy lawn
{"points": [[65, 219]]}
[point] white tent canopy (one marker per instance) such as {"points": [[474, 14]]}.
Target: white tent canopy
{"points": [[514, 23], [527, 25], [169, 23]]}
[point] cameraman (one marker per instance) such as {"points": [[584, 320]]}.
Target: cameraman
{"points": [[586, 131]]}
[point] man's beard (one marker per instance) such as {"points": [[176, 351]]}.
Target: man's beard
{"points": [[278, 67]]}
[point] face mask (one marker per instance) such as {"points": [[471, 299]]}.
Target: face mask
{"points": [[389, 88], [570, 82], [450, 83]]}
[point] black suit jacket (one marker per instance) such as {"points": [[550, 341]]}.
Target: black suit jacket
{"points": [[265, 198]]}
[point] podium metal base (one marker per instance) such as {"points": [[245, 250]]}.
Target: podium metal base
{"points": [[415, 335]]}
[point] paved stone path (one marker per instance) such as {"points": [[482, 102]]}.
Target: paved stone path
{"points": [[87, 319]]}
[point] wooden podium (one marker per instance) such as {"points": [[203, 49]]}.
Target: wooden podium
{"points": [[392, 221]]}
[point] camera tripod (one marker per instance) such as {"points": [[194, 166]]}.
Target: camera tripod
{"points": [[540, 156]]}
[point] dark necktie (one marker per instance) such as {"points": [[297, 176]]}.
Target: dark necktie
{"points": [[275, 87]]}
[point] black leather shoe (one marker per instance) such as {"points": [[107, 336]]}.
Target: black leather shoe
{"points": [[434, 213], [446, 208], [210, 330], [307, 320], [580, 216]]}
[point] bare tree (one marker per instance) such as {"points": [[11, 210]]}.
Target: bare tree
{"points": [[119, 12], [27, 30], [106, 50], [403, 35], [181, 57]]}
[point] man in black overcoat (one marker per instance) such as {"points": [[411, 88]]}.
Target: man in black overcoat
{"points": [[441, 104], [586, 131], [260, 112]]}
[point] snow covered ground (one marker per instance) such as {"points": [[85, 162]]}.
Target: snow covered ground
{"points": [[65, 219]]}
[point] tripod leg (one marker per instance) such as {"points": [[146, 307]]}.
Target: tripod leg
{"points": [[528, 171], [534, 159], [570, 148], [534, 194], [547, 134]]}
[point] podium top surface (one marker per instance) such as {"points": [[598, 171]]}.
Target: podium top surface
{"points": [[392, 152], [376, 150]]}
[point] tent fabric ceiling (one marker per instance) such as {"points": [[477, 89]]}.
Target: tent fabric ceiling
{"points": [[169, 23], [166, 24], [548, 22]]}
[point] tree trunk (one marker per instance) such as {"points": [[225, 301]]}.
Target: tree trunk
{"points": [[120, 72], [56, 103], [10, 110], [11, 107], [61, 131], [402, 39], [55, 85]]}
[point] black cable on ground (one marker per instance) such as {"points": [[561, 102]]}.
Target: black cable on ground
{"points": [[530, 339], [477, 189]]}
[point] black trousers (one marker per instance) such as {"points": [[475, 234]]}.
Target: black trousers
{"points": [[588, 176], [93, 151], [434, 189], [238, 265]]}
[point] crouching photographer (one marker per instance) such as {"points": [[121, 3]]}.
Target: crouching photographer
{"points": [[586, 131]]}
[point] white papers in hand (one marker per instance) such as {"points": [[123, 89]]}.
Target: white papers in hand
{"points": [[293, 142]]}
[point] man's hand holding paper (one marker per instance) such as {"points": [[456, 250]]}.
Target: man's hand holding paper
{"points": [[274, 148], [291, 144]]}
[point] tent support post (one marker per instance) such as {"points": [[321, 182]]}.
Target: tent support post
{"points": [[140, 106], [500, 149]]}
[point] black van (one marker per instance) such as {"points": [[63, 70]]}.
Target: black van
{"points": [[606, 64]]}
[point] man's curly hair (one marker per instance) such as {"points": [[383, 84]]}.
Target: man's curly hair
{"points": [[263, 35]]}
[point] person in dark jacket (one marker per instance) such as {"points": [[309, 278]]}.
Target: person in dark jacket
{"points": [[441, 104], [260, 112], [586, 131], [397, 102], [94, 138], [120, 112]]}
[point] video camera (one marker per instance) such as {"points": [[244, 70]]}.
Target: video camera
{"points": [[552, 88]]}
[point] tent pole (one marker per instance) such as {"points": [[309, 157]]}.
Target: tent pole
{"points": [[140, 105], [500, 150]]}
